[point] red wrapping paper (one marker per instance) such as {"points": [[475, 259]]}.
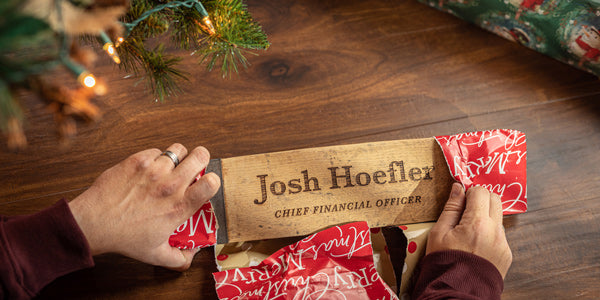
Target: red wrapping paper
{"points": [[336, 263], [494, 159], [199, 231]]}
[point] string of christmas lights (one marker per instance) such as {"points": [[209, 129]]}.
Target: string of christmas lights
{"points": [[36, 36]]}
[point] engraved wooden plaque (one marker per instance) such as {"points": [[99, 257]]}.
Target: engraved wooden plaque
{"points": [[299, 192]]}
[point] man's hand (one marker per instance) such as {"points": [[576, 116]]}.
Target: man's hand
{"points": [[472, 224], [135, 206]]}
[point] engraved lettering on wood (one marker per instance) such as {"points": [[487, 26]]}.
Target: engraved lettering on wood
{"points": [[302, 191]]}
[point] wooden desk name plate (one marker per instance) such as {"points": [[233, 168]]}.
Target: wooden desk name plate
{"points": [[300, 192]]}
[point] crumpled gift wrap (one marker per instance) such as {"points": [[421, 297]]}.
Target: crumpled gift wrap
{"points": [[199, 231], [248, 254], [336, 263], [416, 237], [251, 253], [495, 159]]}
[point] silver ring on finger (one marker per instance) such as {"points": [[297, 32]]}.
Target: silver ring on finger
{"points": [[172, 156]]}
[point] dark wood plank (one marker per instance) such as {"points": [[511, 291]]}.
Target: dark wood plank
{"points": [[555, 244], [556, 241], [359, 84], [341, 72]]}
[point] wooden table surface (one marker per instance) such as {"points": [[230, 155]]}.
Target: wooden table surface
{"points": [[341, 72]]}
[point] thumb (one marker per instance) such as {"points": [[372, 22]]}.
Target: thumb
{"points": [[188, 254], [174, 258], [453, 209]]}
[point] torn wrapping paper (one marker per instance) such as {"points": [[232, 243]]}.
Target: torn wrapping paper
{"points": [[248, 254], [251, 253], [381, 258], [406, 245], [416, 238], [494, 159], [336, 263], [412, 246], [199, 231]]}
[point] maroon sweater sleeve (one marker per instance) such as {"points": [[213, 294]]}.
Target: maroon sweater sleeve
{"points": [[38, 248], [456, 274]]}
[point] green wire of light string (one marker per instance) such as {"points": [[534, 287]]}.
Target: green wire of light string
{"points": [[76, 68], [188, 3]]}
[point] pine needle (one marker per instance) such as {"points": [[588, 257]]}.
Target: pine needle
{"points": [[161, 72], [236, 34]]}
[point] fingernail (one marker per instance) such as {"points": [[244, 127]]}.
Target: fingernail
{"points": [[456, 189]]}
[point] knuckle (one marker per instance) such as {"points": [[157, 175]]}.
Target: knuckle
{"points": [[139, 161], [452, 206], [154, 175], [143, 164], [200, 154], [178, 148], [167, 189]]}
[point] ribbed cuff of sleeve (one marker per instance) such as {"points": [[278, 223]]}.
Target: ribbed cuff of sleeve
{"points": [[44, 246], [456, 274]]}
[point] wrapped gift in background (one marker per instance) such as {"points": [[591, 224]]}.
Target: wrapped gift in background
{"points": [[564, 30]]}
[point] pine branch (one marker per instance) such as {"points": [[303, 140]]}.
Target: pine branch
{"points": [[161, 72], [185, 29], [35, 35], [236, 32], [153, 26]]}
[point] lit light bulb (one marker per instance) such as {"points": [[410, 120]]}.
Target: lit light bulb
{"points": [[87, 79], [110, 49], [120, 41], [207, 25], [84, 77]]}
